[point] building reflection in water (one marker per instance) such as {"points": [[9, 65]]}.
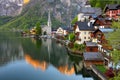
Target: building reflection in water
{"points": [[50, 53]]}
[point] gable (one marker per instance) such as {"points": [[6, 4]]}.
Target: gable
{"points": [[112, 7], [77, 28], [59, 30]]}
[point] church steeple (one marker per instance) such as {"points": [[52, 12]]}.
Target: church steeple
{"points": [[49, 24], [49, 20]]}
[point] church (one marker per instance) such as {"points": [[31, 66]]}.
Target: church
{"points": [[47, 28]]}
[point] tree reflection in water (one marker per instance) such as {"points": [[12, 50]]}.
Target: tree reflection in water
{"points": [[49, 53]]}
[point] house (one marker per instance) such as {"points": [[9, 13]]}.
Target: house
{"points": [[62, 31], [92, 58], [83, 31], [112, 11], [91, 47], [98, 36], [102, 23], [86, 12], [33, 31]]}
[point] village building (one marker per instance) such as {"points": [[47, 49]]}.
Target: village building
{"points": [[112, 11], [98, 36], [91, 47], [92, 58], [83, 31], [47, 28], [62, 31], [102, 23], [86, 12], [32, 31]]}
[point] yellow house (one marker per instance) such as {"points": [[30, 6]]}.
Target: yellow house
{"points": [[32, 31]]}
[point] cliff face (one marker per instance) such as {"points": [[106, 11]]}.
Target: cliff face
{"points": [[59, 7], [62, 11], [10, 7]]}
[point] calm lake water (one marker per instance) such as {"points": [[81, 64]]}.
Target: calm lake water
{"points": [[44, 59]]}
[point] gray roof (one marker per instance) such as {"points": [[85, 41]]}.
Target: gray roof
{"points": [[85, 26], [113, 6], [90, 43], [90, 11], [87, 10], [106, 30], [93, 56]]}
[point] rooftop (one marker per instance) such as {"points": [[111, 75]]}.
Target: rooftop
{"points": [[85, 26], [93, 56], [113, 6], [91, 43]]}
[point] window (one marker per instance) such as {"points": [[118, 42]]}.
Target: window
{"points": [[84, 32], [84, 37]]}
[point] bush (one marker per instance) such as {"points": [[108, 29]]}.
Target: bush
{"points": [[109, 73], [79, 47], [72, 37]]}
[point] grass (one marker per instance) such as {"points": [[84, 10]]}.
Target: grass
{"points": [[101, 68]]}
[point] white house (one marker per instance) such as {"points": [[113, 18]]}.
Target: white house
{"points": [[86, 12], [84, 29], [61, 31]]}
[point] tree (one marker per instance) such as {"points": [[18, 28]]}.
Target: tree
{"points": [[102, 3], [38, 29], [72, 37], [75, 20]]}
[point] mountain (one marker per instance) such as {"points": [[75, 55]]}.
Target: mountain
{"points": [[62, 12], [10, 7]]}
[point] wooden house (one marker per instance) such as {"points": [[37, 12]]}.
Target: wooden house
{"points": [[112, 11], [91, 47], [92, 58], [102, 23], [98, 36]]}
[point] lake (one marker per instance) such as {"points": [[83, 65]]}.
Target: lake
{"points": [[24, 58]]}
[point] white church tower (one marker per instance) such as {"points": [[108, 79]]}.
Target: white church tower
{"points": [[47, 28], [49, 24]]}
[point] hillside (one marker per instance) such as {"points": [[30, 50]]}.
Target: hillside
{"points": [[102, 3], [62, 11]]}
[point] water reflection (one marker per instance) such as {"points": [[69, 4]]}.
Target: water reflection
{"points": [[31, 59], [35, 63], [10, 48], [50, 53]]}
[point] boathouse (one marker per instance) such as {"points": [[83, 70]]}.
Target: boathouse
{"points": [[92, 58], [91, 47]]}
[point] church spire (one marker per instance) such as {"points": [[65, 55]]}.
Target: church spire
{"points": [[49, 20]]}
